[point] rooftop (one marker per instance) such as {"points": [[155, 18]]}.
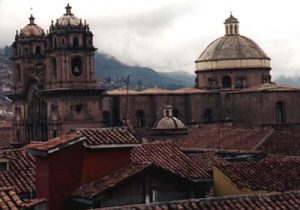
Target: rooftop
{"points": [[286, 200], [169, 157]]}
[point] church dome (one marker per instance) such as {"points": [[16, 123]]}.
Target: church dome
{"points": [[68, 19], [32, 29], [169, 123], [232, 51]]}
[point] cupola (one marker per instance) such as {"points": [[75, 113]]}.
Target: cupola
{"points": [[231, 25]]}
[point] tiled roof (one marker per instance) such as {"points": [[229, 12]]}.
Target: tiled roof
{"points": [[169, 157], [229, 137], [286, 200], [268, 175], [283, 141], [9, 200], [56, 143], [207, 160], [92, 189], [21, 173], [106, 136]]}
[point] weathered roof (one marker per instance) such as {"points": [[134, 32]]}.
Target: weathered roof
{"points": [[109, 136], [268, 175], [232, 47], [10, 200], [169, 123], [168, 156], [286, 200], [55, 144], [231, 19], [32, 29], [207, 160], [94, 188], [21, 172], [209, 136], [68, 19]]}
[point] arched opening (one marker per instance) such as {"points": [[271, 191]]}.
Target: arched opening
{"points": [[76, 66], [226, 82], [280, 112], [106, 119], [140, 118], [54, 68], [38, 50], [236, 29], [231, 29], [208, 116], [75, 42], [37, 118], [176, 113]]}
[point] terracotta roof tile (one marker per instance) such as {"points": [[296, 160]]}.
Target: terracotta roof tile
{"points": [[280, 174], [207, 160], [55, 144], [21, 173], [169, 157], [105, 136], [286, 200], [229, 137], [98, 186], [11, 201]]}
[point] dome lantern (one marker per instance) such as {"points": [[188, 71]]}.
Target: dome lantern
{"points": [[31, 20], [231, 25], [68, 10]]}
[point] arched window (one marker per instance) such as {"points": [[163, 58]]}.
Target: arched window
{"points": [[38, 50], [231, 29], [75, 42], [140, 118], [175, 113], [226, 82], [236, 29], [106, 119], [208, 115], [280, 112], [54, 68], [76, 66]]}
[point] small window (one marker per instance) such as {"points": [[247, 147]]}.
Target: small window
{"points": [[75, 42], [54, 68], [208, 116], [4, 166], [241, 82], [140, 118], [226, 82], [38, 50], [280, 112], [78, 108]]}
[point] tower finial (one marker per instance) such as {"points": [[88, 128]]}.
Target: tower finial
{"points": [[68, 9], [31, 18]]}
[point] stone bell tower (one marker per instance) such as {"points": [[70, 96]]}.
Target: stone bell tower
{"points": [[55, 89]]}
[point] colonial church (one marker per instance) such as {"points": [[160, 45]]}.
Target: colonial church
{"points": [[55, 89]]}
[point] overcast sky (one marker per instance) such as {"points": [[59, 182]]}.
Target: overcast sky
{"points": [[168, 35]]}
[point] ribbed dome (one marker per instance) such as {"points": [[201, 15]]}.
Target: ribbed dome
{"points": [[68, 18], [32, 29], [232, 47], [169, 123]]}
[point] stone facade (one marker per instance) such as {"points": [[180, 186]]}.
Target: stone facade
{"points": [[55, 88]]}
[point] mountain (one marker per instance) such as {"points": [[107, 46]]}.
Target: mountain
{"points": [[293, 81], [109, 67]]}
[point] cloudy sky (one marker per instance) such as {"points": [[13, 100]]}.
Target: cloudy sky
{"points": [[168, 35]]}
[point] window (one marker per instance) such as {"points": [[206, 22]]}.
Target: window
{"points": [[280, 112], [54, 68], [241, 82], [212, 83], [226, 82], [175, 113], [75, 42], [38, 50], [236, 29], [78, 108], [140, 118], [208, 115], [39, 71], [106, 119], [4, 166], [54, 43], [76, 66]]}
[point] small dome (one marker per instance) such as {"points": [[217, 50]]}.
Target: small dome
{"points": [[32, 29], [68, 18], [169, 123]]}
